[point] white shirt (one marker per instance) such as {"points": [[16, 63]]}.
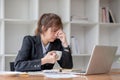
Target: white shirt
{"points": [[45, 48]]}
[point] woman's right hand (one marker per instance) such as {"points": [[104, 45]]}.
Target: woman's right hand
{"points": [[49, 58]]}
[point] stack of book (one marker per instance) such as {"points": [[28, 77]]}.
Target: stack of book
{"points": [[80, 19], [106, 15]]}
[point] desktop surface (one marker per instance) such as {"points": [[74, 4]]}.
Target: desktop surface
{"points": [[110, 76]]}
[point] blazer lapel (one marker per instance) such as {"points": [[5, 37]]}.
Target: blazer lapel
{"points": [[49, 48], [38, 47]]}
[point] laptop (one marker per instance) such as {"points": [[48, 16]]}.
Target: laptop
{"points": [[101, 60]]}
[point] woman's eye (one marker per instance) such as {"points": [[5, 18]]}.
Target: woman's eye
{"points": [[55, 31]]}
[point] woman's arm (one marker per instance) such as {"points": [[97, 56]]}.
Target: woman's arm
{"points": [[66, 59], [23, 61]]}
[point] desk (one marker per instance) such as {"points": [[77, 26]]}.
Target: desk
{"points": [[110, 76]]}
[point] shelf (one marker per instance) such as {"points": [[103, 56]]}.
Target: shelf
{"points": [[14, 34], [60, 7], [12, 52], [109, 35], [20, 21], [14, 10], [86, 37], [51, 6], [110, 24], [83, 23], [88, 55], [85, 8], [10, 55]]}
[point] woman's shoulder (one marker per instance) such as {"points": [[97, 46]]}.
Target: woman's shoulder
{"points": [[33, 39], [29, 38]]}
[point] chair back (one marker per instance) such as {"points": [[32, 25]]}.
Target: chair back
{"points": [[12, 66]]}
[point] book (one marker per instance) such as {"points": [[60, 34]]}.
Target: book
{"points": [[105, 17], [75, 45], [111, 18], [78, 18]]}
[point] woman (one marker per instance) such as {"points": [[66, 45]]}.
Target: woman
{"points": [[38, 52]]}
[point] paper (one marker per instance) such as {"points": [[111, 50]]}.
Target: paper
{"points": [[60, 75], [35, 73], [56, 74], [10, 73], [53, 74]]}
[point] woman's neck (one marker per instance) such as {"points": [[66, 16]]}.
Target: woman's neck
{"points": [[45, 42]]}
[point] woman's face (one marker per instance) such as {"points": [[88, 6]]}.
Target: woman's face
{"points": [[51, 34]]}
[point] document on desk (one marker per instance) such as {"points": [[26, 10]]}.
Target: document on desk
{"points": [[57, 74], [53, 74]]}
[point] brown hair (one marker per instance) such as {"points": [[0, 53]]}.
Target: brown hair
{"points": [[48, 20]]}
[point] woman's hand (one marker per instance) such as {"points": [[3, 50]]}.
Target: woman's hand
{"points": [[61, 35], [51, 57]]}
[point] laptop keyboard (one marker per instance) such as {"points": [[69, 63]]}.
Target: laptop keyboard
{"points": [[79, 71]]}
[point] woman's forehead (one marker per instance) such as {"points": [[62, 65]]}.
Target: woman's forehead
{"points": [[55, 28]]}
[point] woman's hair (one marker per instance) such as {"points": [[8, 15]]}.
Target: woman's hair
{"points": [[48, 20]]}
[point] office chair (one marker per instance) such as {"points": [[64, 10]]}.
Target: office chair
{"points": [[12, 66]]}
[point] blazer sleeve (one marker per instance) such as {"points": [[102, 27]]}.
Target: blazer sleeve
{"points": [[22, 61], [66, 59]]}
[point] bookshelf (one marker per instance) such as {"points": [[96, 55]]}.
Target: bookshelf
{"points": [[81, 18]]}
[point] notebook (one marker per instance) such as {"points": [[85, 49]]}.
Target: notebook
{"points": [[101, 60]]}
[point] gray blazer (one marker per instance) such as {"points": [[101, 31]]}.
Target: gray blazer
{"points": [[30, 54]]}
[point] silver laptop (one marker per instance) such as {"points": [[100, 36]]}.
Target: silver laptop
{"points": [[101, 60]]}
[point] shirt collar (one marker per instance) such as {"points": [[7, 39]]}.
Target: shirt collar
{"points": [[45, 48]]}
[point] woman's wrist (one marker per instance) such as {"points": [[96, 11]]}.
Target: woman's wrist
{"points": [[66, 47], [65, 44], [43, 61]]}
